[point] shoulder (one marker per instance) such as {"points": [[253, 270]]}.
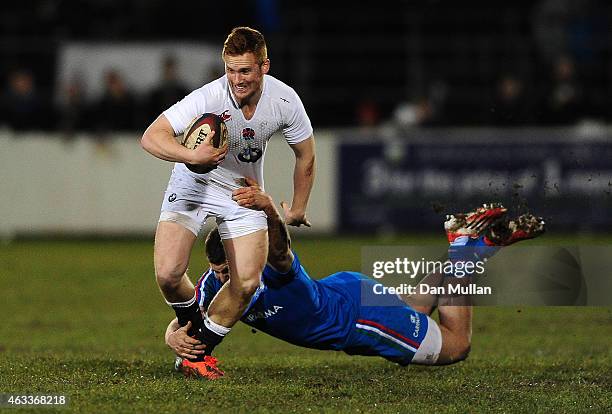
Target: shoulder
{"points": [[279, 90], [211, 97], [204, 280], [346, 277], [214, 89], [207, 285]]}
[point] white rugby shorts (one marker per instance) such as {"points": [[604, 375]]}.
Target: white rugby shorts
{"points": [[190, 201], [430, 348]]}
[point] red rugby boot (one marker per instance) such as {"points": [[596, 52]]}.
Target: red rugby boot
{"points": [[202, 369], [472, 224], [505, 232]]}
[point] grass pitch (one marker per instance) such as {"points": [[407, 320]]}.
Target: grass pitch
{"points": [[85, 320]]}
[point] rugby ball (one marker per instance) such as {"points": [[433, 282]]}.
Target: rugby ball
{"points": [[197, 132]]}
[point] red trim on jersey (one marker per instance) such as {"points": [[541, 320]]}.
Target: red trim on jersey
{"points": [[488, 242], [389, 331], [199, 284]]}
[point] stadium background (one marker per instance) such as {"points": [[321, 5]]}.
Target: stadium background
{"points": [[419, 110]]}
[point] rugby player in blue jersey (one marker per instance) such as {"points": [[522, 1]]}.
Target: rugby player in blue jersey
{"points": [[327, 313]]}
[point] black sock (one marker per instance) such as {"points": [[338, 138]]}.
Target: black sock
{"points": [[210, 338], [188, 313]]}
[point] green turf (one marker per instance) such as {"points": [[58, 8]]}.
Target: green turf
{"points": [[85, 319]]}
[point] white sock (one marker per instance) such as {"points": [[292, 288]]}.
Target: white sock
{"points": [[215, 327], [182, 304]]}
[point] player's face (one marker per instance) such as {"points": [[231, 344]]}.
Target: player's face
{"points": [[221, 271], [245, 75]]}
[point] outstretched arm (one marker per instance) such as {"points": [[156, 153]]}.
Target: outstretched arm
{"points": [[280, 256]]}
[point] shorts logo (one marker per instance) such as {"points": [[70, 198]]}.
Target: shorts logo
{"points": [[417, 325], [249, 153], [172, 197]]}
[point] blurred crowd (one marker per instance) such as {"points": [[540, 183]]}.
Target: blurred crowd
{"points": [[118, 108], [511, 101], [562, 100], [424, 64]]}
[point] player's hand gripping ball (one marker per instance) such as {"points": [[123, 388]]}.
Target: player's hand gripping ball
{"points": [[197, 133]]}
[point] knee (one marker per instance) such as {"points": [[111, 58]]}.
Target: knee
{"points": [[245, 280], [246, 288], [169, 274], [463, 350]]}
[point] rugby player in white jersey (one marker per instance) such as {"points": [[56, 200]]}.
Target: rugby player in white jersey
{"points": [[254, 106]]}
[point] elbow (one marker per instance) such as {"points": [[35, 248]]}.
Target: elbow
{"points": [[461, 352], [281, 261], [145, 142], [149, 144]]}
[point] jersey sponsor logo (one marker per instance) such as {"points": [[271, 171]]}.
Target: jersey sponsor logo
{"points": [[264, 314], [225, 115], [283, 99], [249, 153]]}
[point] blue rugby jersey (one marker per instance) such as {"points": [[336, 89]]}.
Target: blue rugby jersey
{"points": [[295, 308]]}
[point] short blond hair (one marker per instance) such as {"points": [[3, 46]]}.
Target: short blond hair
{"points": [[243, 40]]}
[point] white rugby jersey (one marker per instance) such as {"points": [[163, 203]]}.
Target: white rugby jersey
{"points": [[279, 108]]}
